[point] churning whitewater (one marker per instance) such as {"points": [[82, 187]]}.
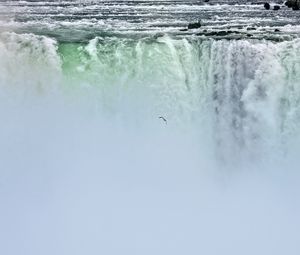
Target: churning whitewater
{"points": [[124, 132], [244, 92]]}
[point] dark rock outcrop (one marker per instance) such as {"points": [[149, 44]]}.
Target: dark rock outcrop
{"points": [[276, 7], [194, 25], [288, 4], [222, 33], [219, 33], [267, 6], [225, 34], [294, 4]]}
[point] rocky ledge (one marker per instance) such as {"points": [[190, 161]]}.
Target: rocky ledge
{"points": [[294, 4]]}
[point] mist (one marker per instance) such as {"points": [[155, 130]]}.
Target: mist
{"points": [[87, 170], [72, 184]]}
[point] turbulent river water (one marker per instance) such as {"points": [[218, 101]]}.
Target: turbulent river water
{"points": [[87, 166]]}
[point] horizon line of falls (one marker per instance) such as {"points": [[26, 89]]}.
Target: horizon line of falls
{"points": [[242, 96]]}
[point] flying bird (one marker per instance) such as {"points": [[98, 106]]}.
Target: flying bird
{"points": [[163, 118]]}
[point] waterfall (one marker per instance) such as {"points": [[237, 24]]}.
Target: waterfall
{"points": [[245, 92]]}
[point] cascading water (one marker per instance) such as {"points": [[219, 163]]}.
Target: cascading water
{"points": [[244, 91]]}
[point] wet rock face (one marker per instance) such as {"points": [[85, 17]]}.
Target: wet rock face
{"points": [[194, 25], [287, 3], [294, 4], [224, 33], [267, 6]]}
